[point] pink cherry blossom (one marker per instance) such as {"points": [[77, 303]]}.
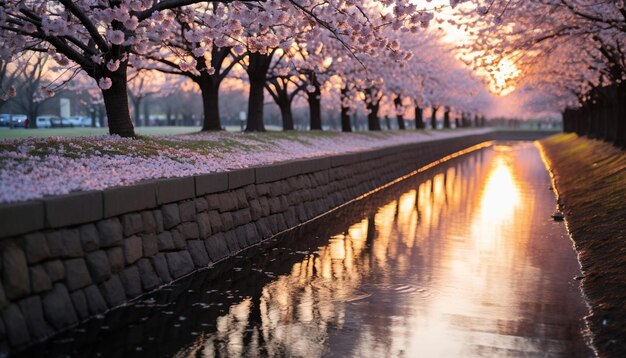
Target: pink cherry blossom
{"points": [[105, 83]]}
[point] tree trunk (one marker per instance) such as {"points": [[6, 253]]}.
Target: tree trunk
{"points": [[137, 110], [315, 106], [419, 118], [373, 122], [398, 104], [116, 104], [257, 73], [286, 114], [457, 122], [210, 105], [146, 113], [345, 112], [433, 118], [446, 118]]}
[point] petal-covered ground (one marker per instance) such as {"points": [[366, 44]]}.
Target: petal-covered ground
{"points": [[35, 167]]}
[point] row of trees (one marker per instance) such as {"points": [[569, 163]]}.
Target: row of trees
{"points": [[375, 54], [571, 54]]}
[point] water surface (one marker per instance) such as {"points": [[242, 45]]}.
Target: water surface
{"points": [[461, 260]]}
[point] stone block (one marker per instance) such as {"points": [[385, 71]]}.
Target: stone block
{"points": [[127, 199], [252, 236], [213, 201], [116, 259], [131, 281], [80, 304], [160, 266], [110, 232], [175, 189], [39, 279], [216, 247], [99, 266], [202, 205], [256, 212], [265, 206], [20, 218], [275, 205], [216, 222], [36, 248], [179, 240], [274, 172], [263, 189], [187, 211], [16, 326], [72, 209], [198, 253], [263, 228], [204, 225], [211, 183], [76, 274], [179, 263], [58, 308], [315, 164], [250, 191], [242, 236], [282, 224], [149, 223], [133, 249], [89, 237], [240, 177], [284, 203], [227, 201], [165, 241], [95, 301], [227, 221], [291, 217], [232, 243], [242, 199], [171, 216], [344, 159], [113, 291], [190, 230], [149, 278], [15, 275], [158, 218], [242, 217], [55, 270], [65, 243], [132, 224], [32, 310], [150, 245]]}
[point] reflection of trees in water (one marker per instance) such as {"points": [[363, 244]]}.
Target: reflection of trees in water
{"points": [[298, 310], [422, 236]]}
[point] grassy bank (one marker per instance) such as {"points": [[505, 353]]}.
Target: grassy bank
{"points": [[591, 180]]}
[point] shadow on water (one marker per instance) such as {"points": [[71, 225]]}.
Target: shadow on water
{"points": [[460, 260]]}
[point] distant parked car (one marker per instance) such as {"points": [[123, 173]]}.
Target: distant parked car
{"points": [[77, 121], [5, 119], [48, 121], [87, 122], [43, 122], [19, 120]]}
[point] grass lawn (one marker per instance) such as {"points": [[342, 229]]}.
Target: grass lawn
{"points": [[590, 177], [6, 133]]}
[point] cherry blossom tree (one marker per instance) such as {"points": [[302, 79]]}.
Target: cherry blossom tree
{"points": [[95, 36]]}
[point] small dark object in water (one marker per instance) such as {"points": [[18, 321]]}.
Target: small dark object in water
{"points": [[557, 216]]}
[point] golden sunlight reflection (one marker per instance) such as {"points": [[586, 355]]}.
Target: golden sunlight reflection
{"points": [[461, 261]]}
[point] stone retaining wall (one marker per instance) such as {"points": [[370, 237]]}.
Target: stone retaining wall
{"points": [[68, 258]]}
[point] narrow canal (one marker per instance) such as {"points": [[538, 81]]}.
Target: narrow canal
{"points": [[460, 260]]}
